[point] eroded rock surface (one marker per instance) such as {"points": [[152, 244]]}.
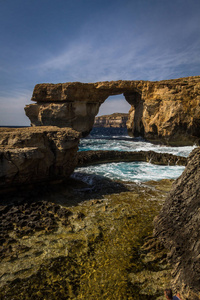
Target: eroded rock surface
{"points": [[165, 111], [51, 248], [35, 154], [115, 120], [177, 226]]}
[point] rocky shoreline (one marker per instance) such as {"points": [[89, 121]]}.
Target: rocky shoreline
{"points": [[57, 241], [63, 238], [44, 224]]}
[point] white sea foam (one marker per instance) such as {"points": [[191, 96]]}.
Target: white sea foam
{"points": [[131, 171], [118, 140], [131, 145]]}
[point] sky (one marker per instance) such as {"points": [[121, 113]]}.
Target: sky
{"points": [[55, 41]]}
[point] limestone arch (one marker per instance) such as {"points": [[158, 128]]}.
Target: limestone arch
{"points": [[135, 125], [76, 104]]}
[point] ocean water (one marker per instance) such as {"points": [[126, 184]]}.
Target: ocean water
{"points": [[118, 139]]}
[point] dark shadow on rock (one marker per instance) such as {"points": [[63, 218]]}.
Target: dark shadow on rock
{"points": [[42, 207]]}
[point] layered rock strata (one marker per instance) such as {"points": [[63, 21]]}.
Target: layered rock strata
{"points": [[35, 154], [86, 158], [177, 226], [116, 120], [165, 111]]}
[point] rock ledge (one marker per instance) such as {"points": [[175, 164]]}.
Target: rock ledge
{"points": [[35, 154]]}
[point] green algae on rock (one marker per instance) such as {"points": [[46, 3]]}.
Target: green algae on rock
{"points": [[104, 250]]}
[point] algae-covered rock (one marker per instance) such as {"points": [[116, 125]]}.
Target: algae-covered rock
{"points": [[92, 250]]}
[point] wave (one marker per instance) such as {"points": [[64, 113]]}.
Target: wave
{"points": [[131, 171], [117, 139], [131, 145]]}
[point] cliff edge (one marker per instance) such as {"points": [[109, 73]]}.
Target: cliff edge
{"points": [[177, 226], [35, 154]]}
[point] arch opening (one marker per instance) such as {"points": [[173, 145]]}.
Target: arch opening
{"points": [[114, 104], [114, 110]]}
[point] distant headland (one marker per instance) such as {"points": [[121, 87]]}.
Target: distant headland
{"points": [[115, 120]]}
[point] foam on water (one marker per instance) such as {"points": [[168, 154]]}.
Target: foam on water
{"points": [[131, 145], [129, 171], [118, 140]]}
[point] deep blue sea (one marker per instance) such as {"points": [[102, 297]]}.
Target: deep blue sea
{"points": [[118, 139]]}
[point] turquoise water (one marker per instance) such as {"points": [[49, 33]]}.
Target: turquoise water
{"points": [[117, 139]]}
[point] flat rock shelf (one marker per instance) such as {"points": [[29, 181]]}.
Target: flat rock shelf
{"points": [[75, 241]]}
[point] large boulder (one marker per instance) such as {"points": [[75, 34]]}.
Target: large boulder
{"points": [[165, 111], [35, 154], [177, 226]]}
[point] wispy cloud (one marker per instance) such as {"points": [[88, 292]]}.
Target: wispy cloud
{"points": [[94, 41], [138, 59]]}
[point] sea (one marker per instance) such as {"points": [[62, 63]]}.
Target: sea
{"points": [[118, 139]]}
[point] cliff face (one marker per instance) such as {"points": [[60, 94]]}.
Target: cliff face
{"points": [[177, 226], [115, 120], [35, 154], [168, 111], [164, 111]]}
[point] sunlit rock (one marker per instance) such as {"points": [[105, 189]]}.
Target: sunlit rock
{"points": [[165, 111], [177, 226], [36, 154]]}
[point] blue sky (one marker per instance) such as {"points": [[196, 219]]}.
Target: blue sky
{"points": [[93, 40]]}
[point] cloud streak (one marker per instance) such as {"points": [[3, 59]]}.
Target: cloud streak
{"points": [[92, 41], [137, 60]]}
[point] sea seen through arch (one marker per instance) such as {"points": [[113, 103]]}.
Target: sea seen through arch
{"points": [[117, 139]]}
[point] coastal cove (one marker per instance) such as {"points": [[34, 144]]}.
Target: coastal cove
{"points": [[98, 232], [85, 214]]}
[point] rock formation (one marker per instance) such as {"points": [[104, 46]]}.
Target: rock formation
{"points": [[86, 158], [116, 120], [35, 154], [165, 111], [177, 226]]}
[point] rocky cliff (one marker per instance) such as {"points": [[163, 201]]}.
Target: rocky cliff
{"points": [[165, 111], [116, 120], [177, 226], [36, 154]]}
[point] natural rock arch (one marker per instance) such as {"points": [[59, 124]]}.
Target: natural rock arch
{"points": [[75, 104], [162, 111]]}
